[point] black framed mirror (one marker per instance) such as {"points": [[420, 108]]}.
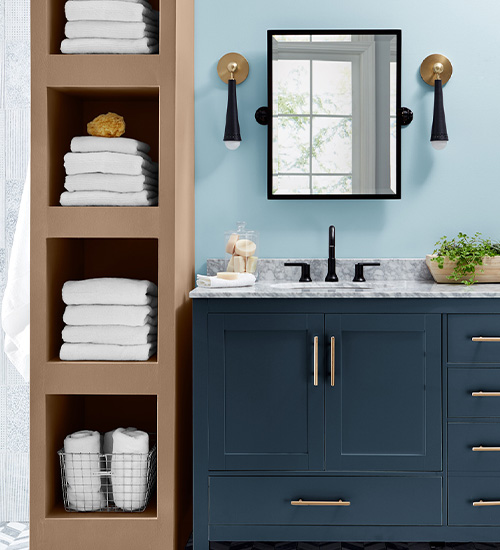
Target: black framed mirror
{"points": [[333, 126]]}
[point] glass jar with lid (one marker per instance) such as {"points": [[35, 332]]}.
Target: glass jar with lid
{"points": [[242, 247]]}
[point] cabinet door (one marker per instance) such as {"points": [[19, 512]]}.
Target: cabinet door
{"points": [[265, 411], [384, 410]]}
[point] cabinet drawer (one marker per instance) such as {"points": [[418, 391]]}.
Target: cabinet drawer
{"points": [[464, 491], [463, 328], [474, 447], [373, 500], [463, 383]]}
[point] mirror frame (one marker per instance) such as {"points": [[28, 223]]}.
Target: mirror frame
{"points": [[270, 195]]}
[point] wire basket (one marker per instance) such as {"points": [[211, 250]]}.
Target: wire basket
{"points": [[99, 482]]}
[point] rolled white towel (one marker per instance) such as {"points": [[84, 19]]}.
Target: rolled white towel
{"points": [[106, 352], [82, 466], [110, 29], [85, 502], [129, 468], [109, 290], [146, 197], [244, 279], [108, 10], [134, 316], [110, 334], [110, 182], [109, 163], [147, 45], [96, 144]]}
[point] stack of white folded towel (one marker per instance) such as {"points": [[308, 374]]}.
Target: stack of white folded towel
{"points": [[109, 319], [110, 27], [126, 450], [103, 171]]}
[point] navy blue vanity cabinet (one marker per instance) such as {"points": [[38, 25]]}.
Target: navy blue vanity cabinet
{"points": [[265, 405], [346, 420], [383, 393]]}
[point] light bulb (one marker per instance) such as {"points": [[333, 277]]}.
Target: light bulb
{"points": [[439, 145], [232, 145]]}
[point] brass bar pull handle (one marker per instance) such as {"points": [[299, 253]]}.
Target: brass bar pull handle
{"points": [[486, 338], [316, 345], [486, 394], [486, 503], [301, 502], [481, 448], [332, 361]]}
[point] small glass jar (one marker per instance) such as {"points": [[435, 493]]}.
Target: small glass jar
{"points": [[242, 248]]}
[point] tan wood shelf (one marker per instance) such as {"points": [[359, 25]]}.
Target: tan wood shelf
{"points": [[111, 222], [84, 377], [58, 513], [128, 71], [155, 94]]}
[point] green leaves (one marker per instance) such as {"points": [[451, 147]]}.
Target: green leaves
{"points": [[467, 252]]}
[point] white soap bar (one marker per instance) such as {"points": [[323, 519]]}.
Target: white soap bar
{"points": [[228, 276], [231, 243], [239, 264], [245, 247], [230, 265], [252, 264]]}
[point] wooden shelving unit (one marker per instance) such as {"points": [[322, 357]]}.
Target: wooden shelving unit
{"points": [[155, 95]]}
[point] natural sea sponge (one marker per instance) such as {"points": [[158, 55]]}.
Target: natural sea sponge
{"points": [[108, 125]]}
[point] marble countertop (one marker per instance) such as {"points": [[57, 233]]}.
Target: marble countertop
{"points": [[378, 289]]}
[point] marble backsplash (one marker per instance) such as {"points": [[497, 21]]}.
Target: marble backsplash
{"points": [[391, 269]]}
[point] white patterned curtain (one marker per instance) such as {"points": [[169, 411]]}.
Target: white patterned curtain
{"points": [[14, 150]]}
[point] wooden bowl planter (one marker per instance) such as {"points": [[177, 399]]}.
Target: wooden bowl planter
{"points": [[489, 272]]}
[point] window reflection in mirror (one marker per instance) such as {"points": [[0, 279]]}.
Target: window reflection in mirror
{"points": [[334, 130]]}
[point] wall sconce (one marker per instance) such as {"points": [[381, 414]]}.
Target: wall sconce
{"points": [[233, 69], [436, 70]]}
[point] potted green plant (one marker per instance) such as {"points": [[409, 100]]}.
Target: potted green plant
{"points": [[465, 259]]}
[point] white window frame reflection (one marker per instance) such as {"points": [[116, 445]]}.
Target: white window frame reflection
{"points": [[360, 53]]}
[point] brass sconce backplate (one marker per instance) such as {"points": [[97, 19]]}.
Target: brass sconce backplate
{"points": [[436, 65], [240, 64]]}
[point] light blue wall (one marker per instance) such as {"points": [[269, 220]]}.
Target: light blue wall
{"points": [[443, 191]]}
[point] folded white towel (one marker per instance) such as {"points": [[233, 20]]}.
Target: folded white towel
{"points": [[96, 144], [116, 183], [133, 316], [244, 279], [148, 45], [106, 352], [109, 198], [108, 10], [143, 2], [82, 465], [110, 29], [109, 334], [109, 290], [109, 163], [129, 468]]}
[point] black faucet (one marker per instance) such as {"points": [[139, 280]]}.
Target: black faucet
{"points": [[331, 276]]}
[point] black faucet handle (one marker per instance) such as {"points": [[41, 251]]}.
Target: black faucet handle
{"points": [[358, 271], [305, 276]]}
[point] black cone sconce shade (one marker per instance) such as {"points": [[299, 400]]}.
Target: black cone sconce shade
{"points": [[436, 70], [232, 69], [232, 132]]}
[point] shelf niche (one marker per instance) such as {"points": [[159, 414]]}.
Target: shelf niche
{"points": [[66, 414], [71, 109], [85, 258], [57, 22]]}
